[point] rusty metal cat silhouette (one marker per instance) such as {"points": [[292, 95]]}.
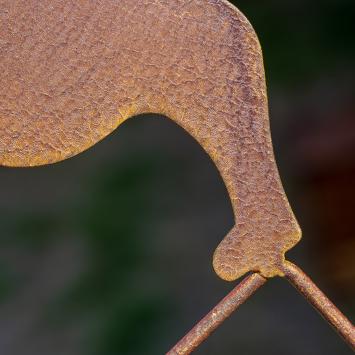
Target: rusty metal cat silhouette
{"points": [[72, 72]]}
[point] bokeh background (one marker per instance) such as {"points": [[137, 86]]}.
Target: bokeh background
{"points": [[110, 252]]}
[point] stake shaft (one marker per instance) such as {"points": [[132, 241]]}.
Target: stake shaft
{"points": [[218, 315], [320, 302]]}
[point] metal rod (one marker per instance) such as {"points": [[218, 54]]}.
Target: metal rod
{"points": [[218, 315], [320, 302]]}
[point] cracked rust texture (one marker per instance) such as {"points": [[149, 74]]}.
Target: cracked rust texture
{"points": [[72, 71]]}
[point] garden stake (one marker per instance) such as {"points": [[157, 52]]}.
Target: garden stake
{"points": [[72, 71]]}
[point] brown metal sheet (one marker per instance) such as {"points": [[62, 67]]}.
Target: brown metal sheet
{"points": [[72, 71]]}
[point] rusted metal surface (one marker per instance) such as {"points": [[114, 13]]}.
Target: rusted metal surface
{"points": [[72, 71], [218, 315], [320, 302], [246, 289]]}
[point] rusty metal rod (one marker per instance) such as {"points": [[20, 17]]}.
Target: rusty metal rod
{"points": [[218, 315], [320, 302]]}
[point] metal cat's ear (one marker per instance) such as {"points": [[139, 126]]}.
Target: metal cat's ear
{"points": [[72, 74]]}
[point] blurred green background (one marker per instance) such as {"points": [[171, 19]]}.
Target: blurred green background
{"points": [[110, 252]]}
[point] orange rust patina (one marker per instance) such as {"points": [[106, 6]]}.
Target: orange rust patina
{"points": [[72, 71]]}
